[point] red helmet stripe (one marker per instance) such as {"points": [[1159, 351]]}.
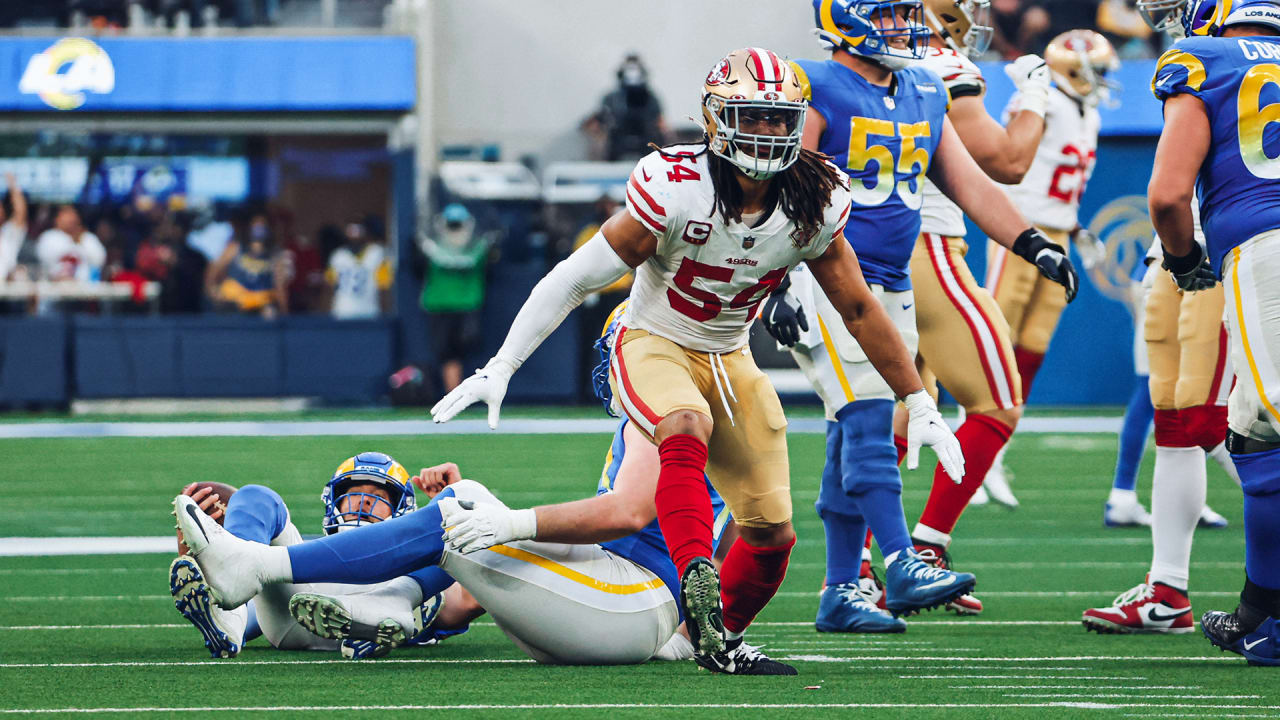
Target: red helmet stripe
{"points": [[755, 59], [777, 69]]}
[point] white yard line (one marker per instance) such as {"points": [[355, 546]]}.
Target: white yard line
{"points": [[1146, 696]]}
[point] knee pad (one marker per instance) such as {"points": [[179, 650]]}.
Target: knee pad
{"points": [[868, 456], [1171, 431], [1259, 472], [1205, 425]]}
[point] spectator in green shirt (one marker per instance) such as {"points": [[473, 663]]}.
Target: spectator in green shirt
{"points": [[453, 295]]}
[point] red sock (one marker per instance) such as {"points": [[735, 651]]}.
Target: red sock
{"points": [[1206, 425], [981, 438], [684, 506], [900, 443], [1028, 365], [748, 580], [867, 545]]}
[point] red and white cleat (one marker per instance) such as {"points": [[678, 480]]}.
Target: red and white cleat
{"points": [[1147, 608], [871, 585], [965, 604]]}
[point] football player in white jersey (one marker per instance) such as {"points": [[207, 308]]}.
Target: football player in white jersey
{"points": [[711, 229]]}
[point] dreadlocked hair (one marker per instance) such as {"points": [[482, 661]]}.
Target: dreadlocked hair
{"points": [[802, 191]]}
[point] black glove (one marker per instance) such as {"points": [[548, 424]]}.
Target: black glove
{"points": [[782, 321], [1050, 258], [1191, 271]]}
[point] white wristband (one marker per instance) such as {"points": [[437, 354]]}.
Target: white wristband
{"points": [[1035, 98], [524, 524]]}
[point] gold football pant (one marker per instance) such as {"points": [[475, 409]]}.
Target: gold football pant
{"points": [[1031, 302]]}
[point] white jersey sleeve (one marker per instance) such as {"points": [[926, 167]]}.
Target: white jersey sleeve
{"points": [[962, 78], [1049, 195]]}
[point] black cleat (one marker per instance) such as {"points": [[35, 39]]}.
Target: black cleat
{"points": [[740, 658], [700, 600], [1227, 630]]}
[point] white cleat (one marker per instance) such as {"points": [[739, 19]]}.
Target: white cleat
{"points": [[1209, 518], [382, 620], [996, 483], [980, 497], [234, 569], [222, 630], [1124, 510]]}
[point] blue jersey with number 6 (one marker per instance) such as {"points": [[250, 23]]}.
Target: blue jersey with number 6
{"points": [[1238, 81], [884, 138]]}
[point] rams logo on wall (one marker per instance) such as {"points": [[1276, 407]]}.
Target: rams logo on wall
{"points": [[62, 74], [1124, 226]]}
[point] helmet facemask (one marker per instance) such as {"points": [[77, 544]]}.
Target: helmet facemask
{"points": [[969, 19], [1164, 16], [758, 155]]}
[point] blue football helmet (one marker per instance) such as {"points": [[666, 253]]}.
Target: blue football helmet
{"points": [[1211, 17], [366, 468], [604, 346], [869, 29]]}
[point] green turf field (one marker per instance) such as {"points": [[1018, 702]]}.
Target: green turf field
{"points": [[85, 632]]}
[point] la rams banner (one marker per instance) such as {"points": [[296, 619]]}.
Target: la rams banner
{"points": [[75, 74]]}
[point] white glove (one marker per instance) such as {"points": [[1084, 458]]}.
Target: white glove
{"points": [[926, 427], [469, 526], [1093, 252], [489, 385], [1030, 75]]}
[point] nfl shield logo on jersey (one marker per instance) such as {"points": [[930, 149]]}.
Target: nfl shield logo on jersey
{"points": [[889, 103], [748, 242]]}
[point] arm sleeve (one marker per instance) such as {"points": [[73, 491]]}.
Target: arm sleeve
{"points": [[592, 267]]}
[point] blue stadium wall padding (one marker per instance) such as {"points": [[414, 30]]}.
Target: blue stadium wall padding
{"points": [[551, 373], [33, 360]]}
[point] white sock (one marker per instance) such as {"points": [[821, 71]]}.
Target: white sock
{"points": [[1122, 497], [1177, 497], [1223, 458], [924, 533], [731, 635], [677, 648], [276, 564], [891, 558]]}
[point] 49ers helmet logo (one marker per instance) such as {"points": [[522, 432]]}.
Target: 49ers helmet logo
{"points": [[719, 73]]}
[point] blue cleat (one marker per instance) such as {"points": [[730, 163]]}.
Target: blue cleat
{"points": [[845, 608], [913, 585], [222, 630], [1260, 646]]}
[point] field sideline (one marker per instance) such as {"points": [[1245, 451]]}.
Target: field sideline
{"points": [[97, 634]]}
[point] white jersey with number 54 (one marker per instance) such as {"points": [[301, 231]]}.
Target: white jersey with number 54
{"points": [[702, 287]]}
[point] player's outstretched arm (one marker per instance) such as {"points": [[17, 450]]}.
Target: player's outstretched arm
{"points": [[626, 509], [620, 245], [1184, 142], [838, 274], [959, 178]]}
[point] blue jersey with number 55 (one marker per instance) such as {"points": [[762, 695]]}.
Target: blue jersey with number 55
{"points": [[884, 138], [1238, 81]]}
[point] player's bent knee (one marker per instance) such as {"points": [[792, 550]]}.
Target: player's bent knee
{"points": [[769, 536], [685, 422], [257, 492], [1009, 417]]}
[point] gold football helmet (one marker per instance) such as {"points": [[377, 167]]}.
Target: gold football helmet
{"points": [[1079, 61], [753, 109], [964, 25]]}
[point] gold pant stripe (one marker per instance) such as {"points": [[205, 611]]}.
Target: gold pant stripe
{"points": [[836, 364], [1244, 336], [574, 575]]}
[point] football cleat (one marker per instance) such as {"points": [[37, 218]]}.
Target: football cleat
{"points": [[1147, 608], [1211, 520], [980, 497], [700, 600], [423, 617], [1125, 513], [996, 483], [966, 604], [871, 584], [1228, 631], [233, 568], [845, 608], [739, 658], [361, 618], [223, 630], [913, 584]]}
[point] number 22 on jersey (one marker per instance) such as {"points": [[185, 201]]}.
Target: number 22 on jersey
{"points": [[912, 161]]}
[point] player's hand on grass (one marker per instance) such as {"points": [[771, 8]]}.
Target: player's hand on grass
{"points": [[469, 526], [925, 426], [488, 385], [783, 317], [1051, 259], [209, 502], [436, 478]]}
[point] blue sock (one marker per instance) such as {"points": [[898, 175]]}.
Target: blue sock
{"points": [[845, 528], [432, 580], [1260, 478], [882, 507], [846, 536], [252, 629], [373, 553], [256, 513], [1133, 435], [869, 471]]}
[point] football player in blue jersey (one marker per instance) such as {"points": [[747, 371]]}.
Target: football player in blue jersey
{"points": [[884, 121], [1220, 86]]}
